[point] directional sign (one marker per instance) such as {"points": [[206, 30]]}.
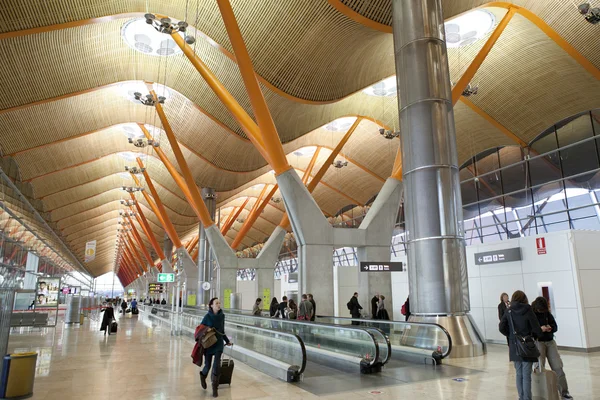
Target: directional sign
{"points": [[162, 278], [373, 266], [156, 288], [498, 256]]}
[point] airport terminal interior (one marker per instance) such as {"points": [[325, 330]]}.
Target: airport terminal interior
{"points": [[277, 199]]}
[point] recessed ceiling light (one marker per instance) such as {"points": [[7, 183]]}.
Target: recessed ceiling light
{"points": [[144, 38], [468, 28], [385, 88], [340, 124], [124, 175], [129, 155]]}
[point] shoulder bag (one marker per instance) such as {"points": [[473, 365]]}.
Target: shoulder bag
{"points": [[525, 346], [209, 338]]}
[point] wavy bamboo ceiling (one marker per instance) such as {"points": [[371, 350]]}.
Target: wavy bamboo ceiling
{"points": [[68, 75]]}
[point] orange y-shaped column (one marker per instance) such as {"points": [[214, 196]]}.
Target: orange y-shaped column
{"points": [[252, 217], [168, 225], [140, 242], [232, 220], [135, 252], [141, 218]]}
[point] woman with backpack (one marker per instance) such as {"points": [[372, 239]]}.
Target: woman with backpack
{"points": [[274, 307], [547, 345], [520, 324]]}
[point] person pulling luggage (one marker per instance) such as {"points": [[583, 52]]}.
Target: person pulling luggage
{"points": [[213, 351], [107, 319]]}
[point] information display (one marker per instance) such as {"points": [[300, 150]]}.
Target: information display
{"points": [[47, 292], [372, 266], [156, 288], [498, 256]]}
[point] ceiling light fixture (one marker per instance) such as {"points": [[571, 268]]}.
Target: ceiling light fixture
{"points": [[591, 15], [340, 163], [143, 38], [468, 28], [386, 133], [305, 151]]}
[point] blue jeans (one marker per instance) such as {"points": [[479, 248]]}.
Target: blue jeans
{"points": [[524, 369], [215, 360]]}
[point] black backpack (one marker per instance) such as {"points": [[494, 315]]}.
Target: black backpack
{"points": [[349, 305]]}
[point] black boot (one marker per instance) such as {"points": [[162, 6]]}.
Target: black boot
{"points": [[202, 380], [215, 384]]}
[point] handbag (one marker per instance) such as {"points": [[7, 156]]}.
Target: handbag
{"points": [[525, 346], [209, 338]]}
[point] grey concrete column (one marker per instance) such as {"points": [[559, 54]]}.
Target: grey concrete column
{"points": [[436, 252], [226, 278], [204, 250], [168, 247], [31, 268], [266, 261]]}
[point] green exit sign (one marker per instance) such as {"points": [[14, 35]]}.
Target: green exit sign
{"points": [[166, 277]]}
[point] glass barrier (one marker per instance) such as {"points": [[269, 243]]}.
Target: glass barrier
{"points": [[404, 335], [283, 346]]}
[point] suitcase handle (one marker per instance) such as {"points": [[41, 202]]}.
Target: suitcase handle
{"points": [[230, 355]]}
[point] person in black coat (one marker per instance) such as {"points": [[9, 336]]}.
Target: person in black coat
{"points": [[525, 324], [502, 307], [107, 318], [311, 299], [123, 306], [274, 307], [374, 302], [355, 308], [215, 318]]}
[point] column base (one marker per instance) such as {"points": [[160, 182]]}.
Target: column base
{"points": [[466, 339]]}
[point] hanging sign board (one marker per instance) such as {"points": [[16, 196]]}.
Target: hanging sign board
{"points": [[163, 278], [498, 256], [266, 298], [90, 251], [156, 288], [227, 299], [373, 266]]}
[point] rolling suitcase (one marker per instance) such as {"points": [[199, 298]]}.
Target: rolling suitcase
{"points": [[114, 327], [226, 370], [544, 384]]}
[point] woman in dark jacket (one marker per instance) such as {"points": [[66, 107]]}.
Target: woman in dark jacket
{"points": [[525, 324], [123, 306], [107, 318], [215, 318], [547, 345], [274, 307], [502, 307]]}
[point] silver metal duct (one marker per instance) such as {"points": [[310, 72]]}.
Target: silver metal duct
{"points": [[436, 250]]}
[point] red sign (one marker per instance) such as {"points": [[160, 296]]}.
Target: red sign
{"points": [[540, 243]]}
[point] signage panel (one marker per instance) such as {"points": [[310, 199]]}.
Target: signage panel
{"points": [[540, 244], [162, 278], [498, 256], [156, 288], [374, 266], [90, 251]]}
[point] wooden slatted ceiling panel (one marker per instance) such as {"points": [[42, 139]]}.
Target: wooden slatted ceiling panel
{"points": [[354, 182], [375, 10], [328, 201], [91, 222], [474, 133], [89, 214], [544, 95], [84, 191]]}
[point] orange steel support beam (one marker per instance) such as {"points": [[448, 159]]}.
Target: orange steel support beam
{"points": [[232, 220], [168, 225], [253, 217], [140, 242], [480, 57], [244, 120], [194, 254], [192, 192], [134, 250], [129, 257], [147, 230], [311, 165], [270, 137], [397, 169], [193, 243], [229, 217]]}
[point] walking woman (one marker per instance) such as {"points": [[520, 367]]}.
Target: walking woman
{"points": [[215, 318], [107, 318], [547, 345], [520, 318], [381, 311]]}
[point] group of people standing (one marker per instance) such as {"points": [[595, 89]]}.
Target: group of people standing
{"points": [[150, 301], [305, 311], [520, 320]]}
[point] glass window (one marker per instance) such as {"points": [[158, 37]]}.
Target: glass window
{"points": [[579, 158], [576, 130], [544, 169]]}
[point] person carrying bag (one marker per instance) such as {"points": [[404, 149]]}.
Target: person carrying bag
{"points": [[520, 325]]}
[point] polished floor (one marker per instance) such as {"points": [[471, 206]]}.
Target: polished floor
{"points": [[144, 362]]}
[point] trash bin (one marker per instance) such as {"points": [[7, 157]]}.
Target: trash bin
{"points": [[18, 375]]}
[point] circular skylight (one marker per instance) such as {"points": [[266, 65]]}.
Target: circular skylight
{"points": [[144, 38], [340, 124], [468, 28], [132, 131], [129, 155], [128, 89], [124, 175], [385, 88], [306, 151]]}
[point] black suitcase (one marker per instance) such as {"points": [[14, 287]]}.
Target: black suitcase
{"points": [[113, 327], [226, 370], [135, 311]]}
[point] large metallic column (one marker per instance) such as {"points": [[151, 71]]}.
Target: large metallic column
{"points": [[168, 247], [205, 256], [438, 281]]}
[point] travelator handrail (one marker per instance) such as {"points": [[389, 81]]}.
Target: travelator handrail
{"points": [[375, 335], [293, 372], [406, 325]]}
